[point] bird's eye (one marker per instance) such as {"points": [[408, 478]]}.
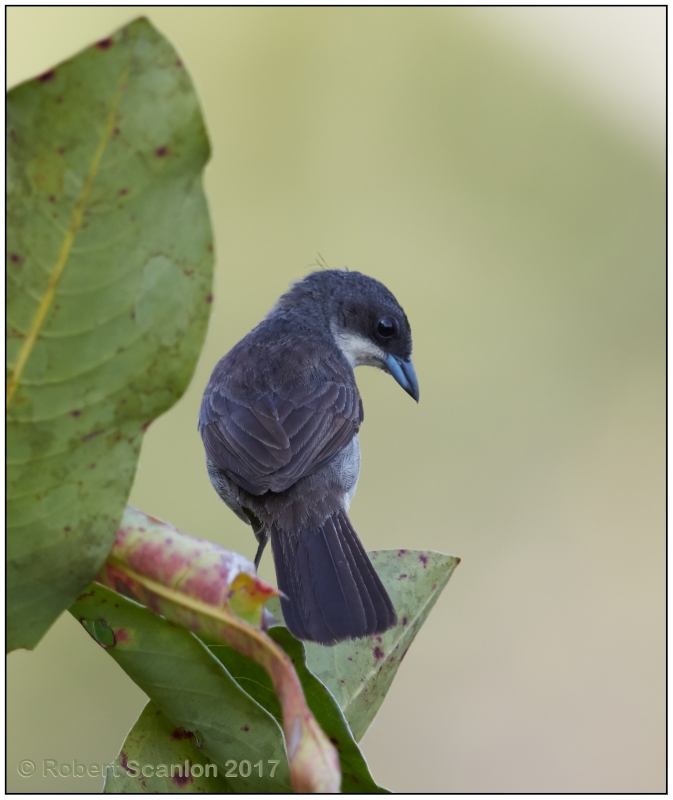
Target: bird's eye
{"points": [[386, 327]]}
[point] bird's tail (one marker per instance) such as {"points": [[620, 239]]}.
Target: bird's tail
{"points": [[331, 589]]}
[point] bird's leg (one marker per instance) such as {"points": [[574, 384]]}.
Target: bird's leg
{"points": [[262, 537], [261, 534]]}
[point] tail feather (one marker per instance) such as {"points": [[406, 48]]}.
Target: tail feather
{"points": [[332, 591], [284, 576], [383, 609]]}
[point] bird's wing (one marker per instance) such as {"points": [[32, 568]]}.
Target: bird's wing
{"points": [[271, 443]]}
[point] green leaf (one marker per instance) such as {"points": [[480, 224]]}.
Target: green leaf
{"points": [[355, 774], [108, 298], [359, 672], [190, 686], [152, 760], [198, 584]]}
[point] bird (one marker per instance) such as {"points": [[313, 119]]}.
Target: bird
{"points": [[279, 422]]}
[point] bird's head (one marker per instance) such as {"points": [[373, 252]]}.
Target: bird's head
{"points": [[368, 324]]}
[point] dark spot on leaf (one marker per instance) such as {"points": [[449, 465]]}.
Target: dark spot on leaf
{"points": [[145, 426], [67, 529], [209, 298], [402, 576], [59, 99], [123, 191], [378, 653], [188, 272], [423, 559], [52, 199], [47, 76], [61, 151], [75, 413], [142, 530], [209, 248], [404, 620], [115, 133], [121, 634], [160, 152], [245, 728], [86, 594], [378, 639], [181, 733], [457, 560], [181, 780], [12, 135], [123, 760], [341, 680], [401, 552], [434, 586], [104, 44], [350, 658], [178, 63], [91, 436], [15, 258], [334, 741], [92, 466]]}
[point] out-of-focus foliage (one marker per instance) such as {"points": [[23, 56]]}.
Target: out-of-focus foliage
{"points": [[197, 585], [189, 685]]}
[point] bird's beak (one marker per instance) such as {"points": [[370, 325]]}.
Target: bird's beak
{"points": [[404, 373]]}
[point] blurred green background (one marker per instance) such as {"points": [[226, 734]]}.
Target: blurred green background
{"points": [[516, 209]]}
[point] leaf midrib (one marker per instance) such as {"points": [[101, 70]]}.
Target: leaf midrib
{"points": [[69, 238]]}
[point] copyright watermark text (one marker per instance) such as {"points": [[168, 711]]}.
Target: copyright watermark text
{"points": [[50, 767]]}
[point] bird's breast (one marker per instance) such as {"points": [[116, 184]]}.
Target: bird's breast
{"points": [[347, 467]]}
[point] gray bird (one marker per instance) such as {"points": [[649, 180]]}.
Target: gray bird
{"points": [[279, 422]]}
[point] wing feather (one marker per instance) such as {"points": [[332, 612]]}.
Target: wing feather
{"points": [[269, 443]]}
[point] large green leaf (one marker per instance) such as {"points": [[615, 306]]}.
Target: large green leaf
{"points": [[188, 684], [355, 774], [109, 290], [359, 672], [153, 760]]}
